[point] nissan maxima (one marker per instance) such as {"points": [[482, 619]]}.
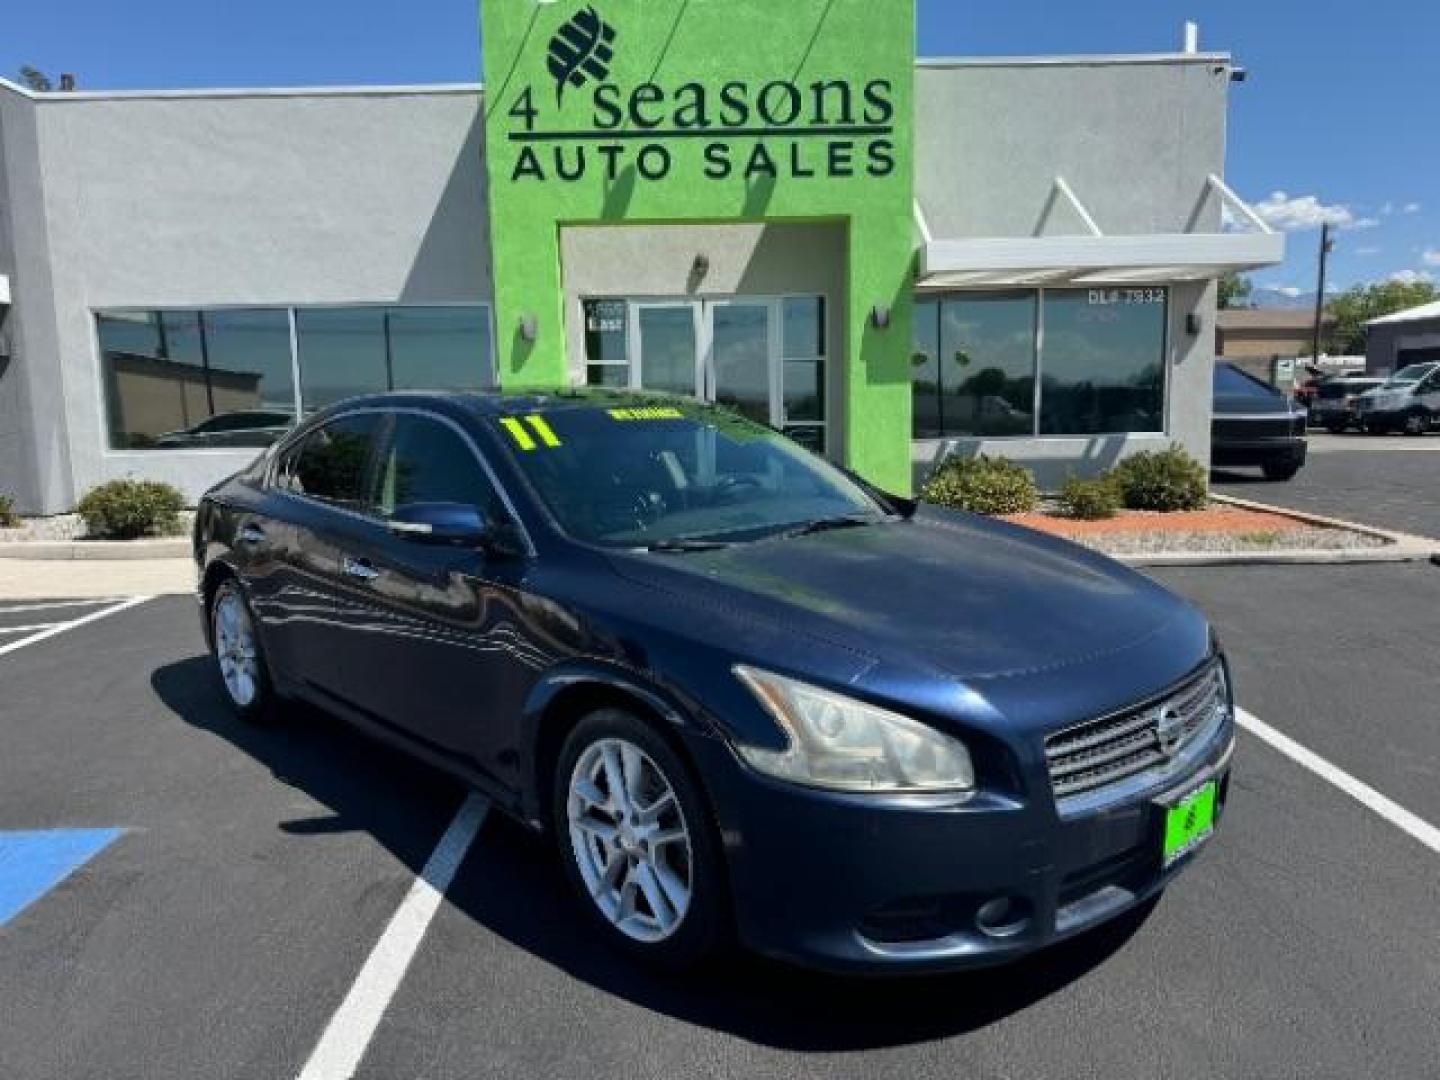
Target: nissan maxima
{"points": [[747, 696]]}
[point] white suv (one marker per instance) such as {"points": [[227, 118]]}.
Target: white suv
{"points": [[1409, 401]]}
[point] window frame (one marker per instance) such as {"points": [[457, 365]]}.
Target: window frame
{"points": [[1038, 293], [269, 478]]}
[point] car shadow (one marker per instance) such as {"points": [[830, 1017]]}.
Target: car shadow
{"points": [[1225, 476], [512, 885]]}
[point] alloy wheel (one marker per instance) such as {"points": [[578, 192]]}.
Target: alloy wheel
{"points": [[235, 650], [630, 840]]}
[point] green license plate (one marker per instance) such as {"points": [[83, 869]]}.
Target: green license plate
{"points": [[1189, 823]]}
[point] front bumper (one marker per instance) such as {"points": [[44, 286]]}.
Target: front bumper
{"points": [[916, 884]]}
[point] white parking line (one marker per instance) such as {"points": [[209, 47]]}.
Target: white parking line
{"points": [[1388, 809], [346, 1038], [47, 605], [33, 628], [60, 628]]}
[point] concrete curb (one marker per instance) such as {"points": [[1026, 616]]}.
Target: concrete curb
{"points": [[165, 547], [1400, 547]]}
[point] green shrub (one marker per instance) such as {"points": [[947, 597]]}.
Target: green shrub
{"points": [[125, 509], [1165, 480], [983, 485], [1091, 500], [8, 517]]}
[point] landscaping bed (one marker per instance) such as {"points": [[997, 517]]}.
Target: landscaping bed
{"points": [[1217, 528]]}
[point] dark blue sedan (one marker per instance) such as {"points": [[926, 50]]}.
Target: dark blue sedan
{"points": [[748, 695]]}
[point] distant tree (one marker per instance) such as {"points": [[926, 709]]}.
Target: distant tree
{"points": [[1235, 290], [1355, 307], [35, 79]]}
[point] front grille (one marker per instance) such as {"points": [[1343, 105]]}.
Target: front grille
{"points": [[1105, 751]]}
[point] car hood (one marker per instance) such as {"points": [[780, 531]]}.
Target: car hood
{"points": [[952, 594]]}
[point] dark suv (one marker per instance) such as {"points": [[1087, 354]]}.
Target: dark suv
{"points": [[1255, 424], [743, 691]]}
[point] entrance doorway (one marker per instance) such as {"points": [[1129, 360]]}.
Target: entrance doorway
{"points": [[736, 352]]}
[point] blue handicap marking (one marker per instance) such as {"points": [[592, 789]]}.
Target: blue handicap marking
{"points": [[33, 863]]}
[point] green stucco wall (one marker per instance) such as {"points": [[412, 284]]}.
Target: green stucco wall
{"points": [[708, 110]]}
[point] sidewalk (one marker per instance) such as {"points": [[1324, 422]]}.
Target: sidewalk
{"points": [[67, 579]]}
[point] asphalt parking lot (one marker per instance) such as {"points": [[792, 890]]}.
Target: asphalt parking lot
{"points": [[1388, 480], [252, 872]]}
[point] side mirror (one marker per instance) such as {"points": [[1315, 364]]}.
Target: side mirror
{"points": [[441, 523]]}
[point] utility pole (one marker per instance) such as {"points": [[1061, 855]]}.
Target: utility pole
{"points": [[1326, 247]]}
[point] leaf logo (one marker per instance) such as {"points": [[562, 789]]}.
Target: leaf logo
{"points": [[581, 50]]}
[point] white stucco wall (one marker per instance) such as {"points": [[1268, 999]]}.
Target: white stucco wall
{"points": [[267, 199]]}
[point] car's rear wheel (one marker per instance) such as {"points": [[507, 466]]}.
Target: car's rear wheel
{"points": [[1335, 428], [1416, 424], [1280, 470], [636, 841], [239, 660]]}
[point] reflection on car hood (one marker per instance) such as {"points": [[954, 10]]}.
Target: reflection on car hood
{"points": [[957, 595]]}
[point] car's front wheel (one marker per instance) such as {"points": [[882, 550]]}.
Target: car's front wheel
{"points": [[239, 660], [1416, 423], [637, 843]]}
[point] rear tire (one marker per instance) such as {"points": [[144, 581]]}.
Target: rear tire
{"points": [[1416, 424], [239, 657], [1335, 429], [637, 842]]}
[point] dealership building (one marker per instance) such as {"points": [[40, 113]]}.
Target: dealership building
{"points": [[890, 259]]}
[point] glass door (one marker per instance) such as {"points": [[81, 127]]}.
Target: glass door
{"points": [[668, 339], [743, 354]]}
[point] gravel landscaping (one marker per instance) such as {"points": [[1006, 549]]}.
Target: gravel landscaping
{"points": [[63, 528], [1218, 529]]}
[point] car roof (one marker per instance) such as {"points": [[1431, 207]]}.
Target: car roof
{"points": [[487, 403]]}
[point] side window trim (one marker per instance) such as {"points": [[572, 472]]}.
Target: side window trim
{"points": [[297, 440], [295, 443]]}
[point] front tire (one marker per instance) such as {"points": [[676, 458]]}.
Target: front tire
{"points": [[239, 659], [636, 841], [1416, 424]]}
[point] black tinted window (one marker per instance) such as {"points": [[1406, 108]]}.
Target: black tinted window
{"points": [[428, 462], [1229, 380], [330, 464]]}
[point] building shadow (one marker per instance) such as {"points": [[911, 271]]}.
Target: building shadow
{"points": [[511, 884]]}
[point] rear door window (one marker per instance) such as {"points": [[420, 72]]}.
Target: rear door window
{"points": [[332, 463]]}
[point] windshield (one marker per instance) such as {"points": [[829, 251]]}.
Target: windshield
{"points": [[651, 475], [1412, 374]]}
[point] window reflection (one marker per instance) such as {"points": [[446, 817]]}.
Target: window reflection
{"points": [[225, 378], [1101, 361], [188, 379], [1104, 363]]}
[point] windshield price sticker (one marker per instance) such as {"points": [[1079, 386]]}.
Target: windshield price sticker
{"points": [[651, 413], [524, 439]]}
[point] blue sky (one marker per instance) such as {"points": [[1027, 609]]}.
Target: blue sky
{"points": [[1339, 115]]}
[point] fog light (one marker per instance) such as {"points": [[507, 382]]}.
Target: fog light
{"points": [[1003, 917]]}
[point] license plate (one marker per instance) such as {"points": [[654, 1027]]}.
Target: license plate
{"points": [[1189, 822]]}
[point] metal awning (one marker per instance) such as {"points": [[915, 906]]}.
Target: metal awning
{"points": [[1094, 258]]}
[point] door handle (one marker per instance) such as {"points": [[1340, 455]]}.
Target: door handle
{"points": [[359, 569], [252, 534]]}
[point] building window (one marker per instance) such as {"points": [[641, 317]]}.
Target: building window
{"points": [[1098, 354], [345, 352], [187, 379], [1104, 361], [803, 370], [227, 378], [607, 343]]}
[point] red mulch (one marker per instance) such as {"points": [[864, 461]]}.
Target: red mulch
{"points": [[1218, 519]]}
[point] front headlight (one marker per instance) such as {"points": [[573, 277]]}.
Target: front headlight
{"points": [[847, 745]]}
